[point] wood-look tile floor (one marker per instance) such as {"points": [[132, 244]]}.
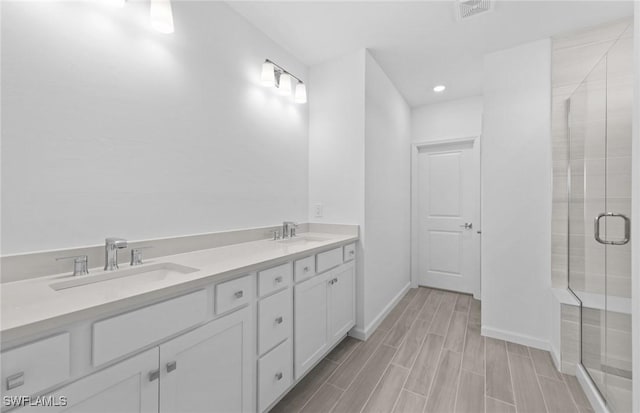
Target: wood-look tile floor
{"points": [[428, 356]]}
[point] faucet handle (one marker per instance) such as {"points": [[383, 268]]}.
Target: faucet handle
{"points": [[80, 264], [136, 255], [116, 242]]}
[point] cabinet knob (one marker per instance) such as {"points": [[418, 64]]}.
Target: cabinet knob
{"points": [[171, 366], [306, 269], [279, 320], [279, 376], [154, 374], [352, 252], [239, 294], [335, 280], [278, 280], [15, 380]]}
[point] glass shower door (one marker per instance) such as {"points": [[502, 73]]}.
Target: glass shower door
{"points": [[600, 112]]}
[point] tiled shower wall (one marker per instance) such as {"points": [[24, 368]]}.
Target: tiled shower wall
{"points": [[574, 56]]}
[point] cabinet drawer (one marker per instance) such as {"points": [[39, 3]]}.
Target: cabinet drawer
{"points": [[274, 375], [274, 320], [349, 252], [328, 259], [233, 294], [125, 333], [304, 268], [34, 367], [274, 279]]}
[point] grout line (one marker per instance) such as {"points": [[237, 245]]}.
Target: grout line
{"points": [[387, 333], [513, 391], [484, 367], [326, 380], [377, 384], [544, 400], [575, 401], [501, 401], [415, 360], [464, 343]]}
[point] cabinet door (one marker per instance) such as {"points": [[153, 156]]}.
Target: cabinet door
{"points": [[342, 306], [311, 323], [210, 368], [125, 387]]}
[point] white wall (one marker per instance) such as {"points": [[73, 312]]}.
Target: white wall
{"points": [[112, 129], [635, 219], [359, 134], [453, 119], [516, 194], [387, 192], [336, 150]]}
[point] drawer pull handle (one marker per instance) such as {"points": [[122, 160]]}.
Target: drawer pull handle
{"points": [[15, 380], [306, 269], [239, 294], [330, 282], [279, 376], [335, 281], [278, 280], [154, 374], [171, 366], [279, 320], [352, 252]]}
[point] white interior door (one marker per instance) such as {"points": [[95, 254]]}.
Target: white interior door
{"points": [[448, 217]]}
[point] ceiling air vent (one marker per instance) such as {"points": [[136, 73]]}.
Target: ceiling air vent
{"points": [[469, 8]]}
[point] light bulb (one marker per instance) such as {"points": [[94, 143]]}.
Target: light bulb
{"points": [[301, 93], [268, 77], [439, 88], [161, 16], [285, 84]]}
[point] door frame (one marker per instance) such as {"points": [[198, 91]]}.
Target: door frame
{"points": [[415, 150]]}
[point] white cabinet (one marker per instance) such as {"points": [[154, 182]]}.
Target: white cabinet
{"points": [[324, 312], [209, 369], [311, 323], [341, 302], [129, 386], [274, 375], [37, 366]]}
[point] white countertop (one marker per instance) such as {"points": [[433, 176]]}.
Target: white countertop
{"points": [[32, 305]]}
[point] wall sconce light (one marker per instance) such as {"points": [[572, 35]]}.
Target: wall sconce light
{"points": [[275, 76], [161, 16]]}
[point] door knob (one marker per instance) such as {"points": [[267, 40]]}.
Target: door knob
{"points": [[467, 225]]}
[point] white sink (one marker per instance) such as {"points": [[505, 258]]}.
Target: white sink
{"points": [[127, 277]]}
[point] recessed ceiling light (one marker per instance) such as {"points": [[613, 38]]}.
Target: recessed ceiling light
{"points": [[439, 88]]}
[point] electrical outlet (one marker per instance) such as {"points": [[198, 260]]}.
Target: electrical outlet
{"points": [[317, 210]]}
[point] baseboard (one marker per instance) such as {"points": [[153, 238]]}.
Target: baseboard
{"points": [[555, 356], [364, 334], [597, 403], [515, 338]]}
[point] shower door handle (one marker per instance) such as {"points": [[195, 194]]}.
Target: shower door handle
{"points": [[627, 229]]}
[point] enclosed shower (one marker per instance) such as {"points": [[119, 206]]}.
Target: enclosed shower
{"points": [[599, 245]]}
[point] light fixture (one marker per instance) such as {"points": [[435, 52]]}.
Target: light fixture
{"points": [[439, 88], [268, 78], [276, 76], [284, 84], [301, 93], [161, 16]]}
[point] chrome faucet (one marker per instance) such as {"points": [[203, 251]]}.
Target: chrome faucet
{"points": [[111, 247], [288, 229]]}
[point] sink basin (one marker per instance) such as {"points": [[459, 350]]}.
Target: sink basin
{"points": [[127, 277], [302, 240]]}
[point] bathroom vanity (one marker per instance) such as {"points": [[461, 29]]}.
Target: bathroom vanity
{"points": [[227, 329]]}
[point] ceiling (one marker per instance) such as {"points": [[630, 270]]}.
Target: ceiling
{"points": [[420, 44]]}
